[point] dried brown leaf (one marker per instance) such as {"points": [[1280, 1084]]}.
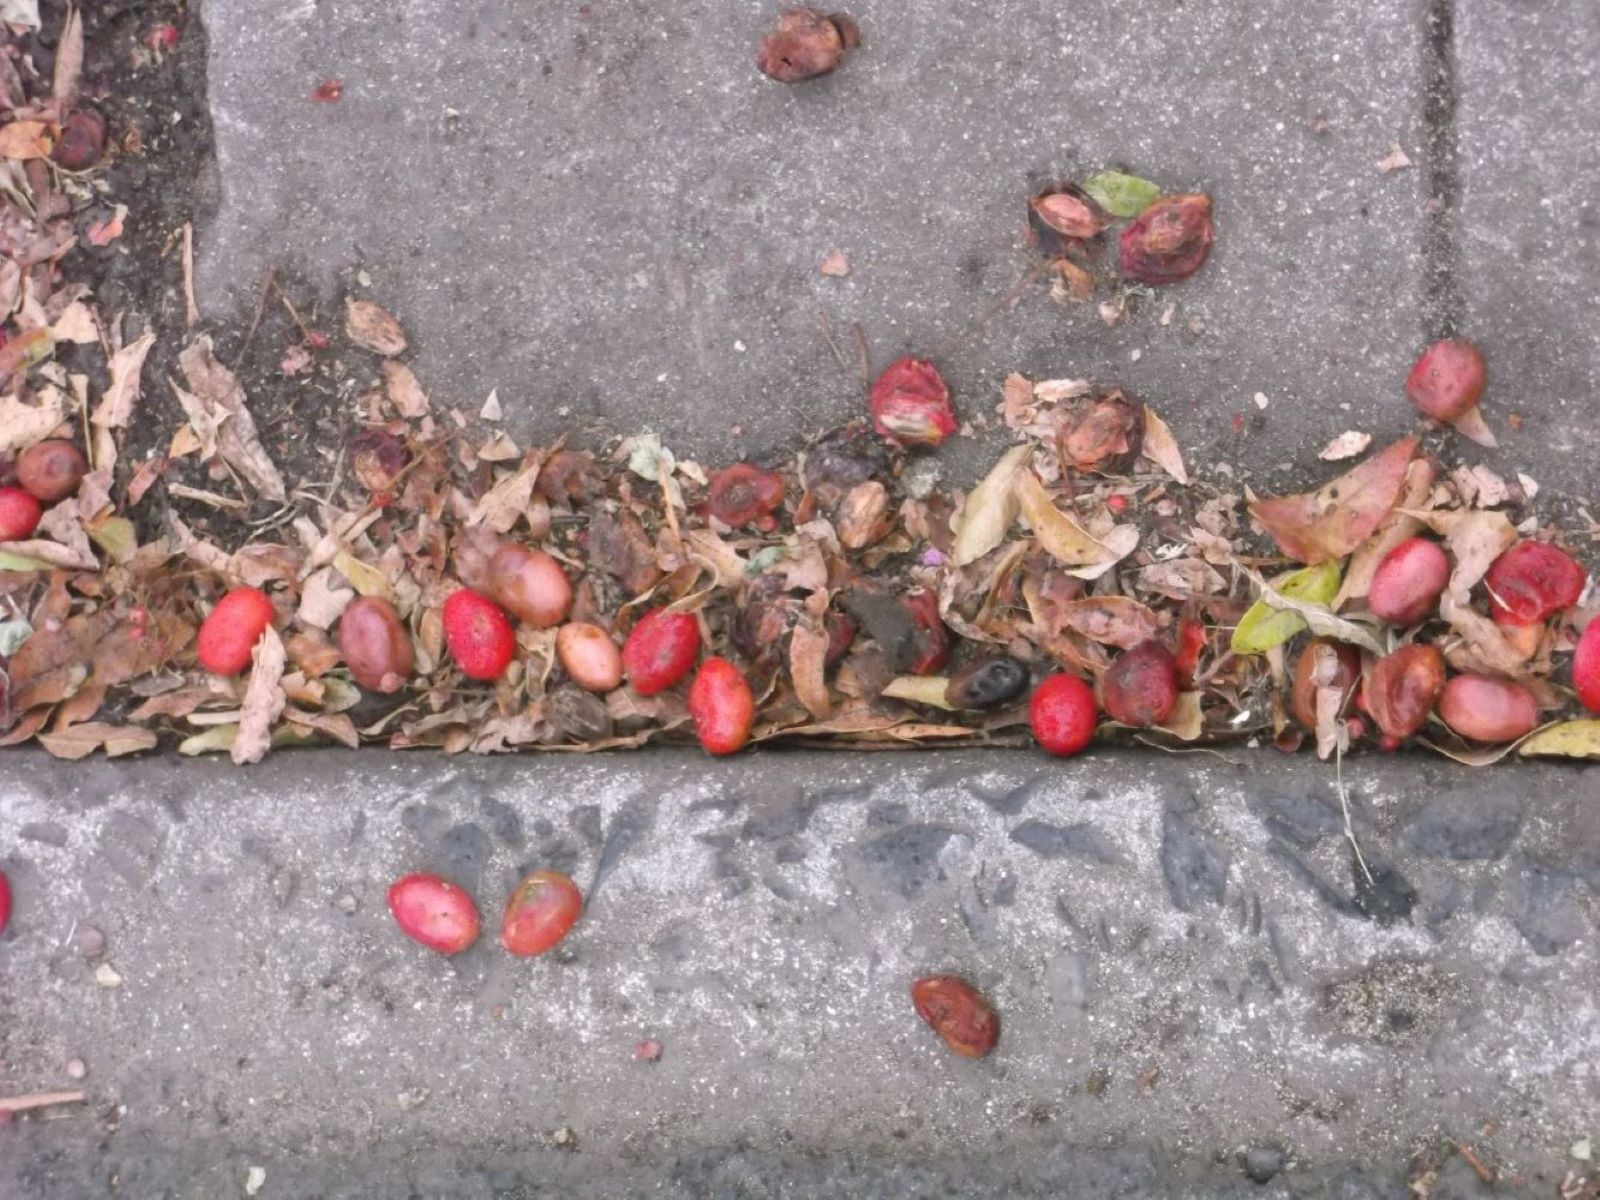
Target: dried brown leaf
{"points": [[263, 701], [404, 392], [987, 515], [80, 741], [808, 653], [1314, 527], [21, 425], [370, 326], [225, 409], [1161, 448]]}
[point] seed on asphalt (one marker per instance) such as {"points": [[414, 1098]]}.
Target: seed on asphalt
{"points": [[76, 1068]]}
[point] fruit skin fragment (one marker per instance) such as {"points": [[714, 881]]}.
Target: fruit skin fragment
{"points": [[722, 707], [541, 910], [1063, 715], [1169, 241], [805, 44], [1586, 667], [958, 1013], [1532, 581], [434, 912], [910, 404]]}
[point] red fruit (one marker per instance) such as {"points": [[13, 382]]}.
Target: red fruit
{"points": [[376, 645], [1486, 709], [911, 405], [742, 494], [1531, 581], [660, 650], [434, 912], [1310, 673], [1446, 380], [805, 44], [231, 630], [1141, 687], [1409, 581], [1402, 690], [1586, 667], [83, 140], [722, 706], [1191, 644], [5, 902], [930, 640], [958, 1013], [1169, 240], [478, 634], [19, 514], [1062, 713], [539, 913], [531, 585], [51, 469]]}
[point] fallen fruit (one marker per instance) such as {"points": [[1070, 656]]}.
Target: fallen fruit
{"points": [[722, 707], [229, 634], [744, 494], [1586, 667], [910, 404], [805, 44], [590, 656], [930, 639], [529, 584], [434, 912], [377, 457], [1192, 638], [1483, 708], [1446, 380], [1313, 669], [51, 470], [1408, 582], [1402, 689], [864, 516], [478, 634], [987, 683], [660, 650], [376, 645], [1532, 581], [1067, 210], [958, 1013], [19, 514], [1063, 715], [1141, 687], [541, 910], [83, 140], [1103, 435], [1168, 241], [5, 902]]}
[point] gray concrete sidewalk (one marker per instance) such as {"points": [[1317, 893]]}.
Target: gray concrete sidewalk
{"points": [[1185, 963]]}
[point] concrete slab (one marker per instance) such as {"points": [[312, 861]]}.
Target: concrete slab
{"points": [[1529, 80], [605, 212], [1184, 966]]}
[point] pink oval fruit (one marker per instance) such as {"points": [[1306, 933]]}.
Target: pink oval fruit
{"points": [[229, 634], [541, 910], [1141, 687], [590, 656], [1404, 686], [1586, 667], [530, 585], [376, 645], [1446, 380], [434, 912], [51, 470], [1408, 582], [1485, 709]]}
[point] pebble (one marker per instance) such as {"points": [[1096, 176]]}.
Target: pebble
{"points": [[347, 903], [413, 1098], [106, 976], [1262, 1163], [76, 1068], [90, 941], [565, 1138]]}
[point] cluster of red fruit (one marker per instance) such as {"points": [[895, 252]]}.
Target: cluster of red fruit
{"points": [[47, 472]]}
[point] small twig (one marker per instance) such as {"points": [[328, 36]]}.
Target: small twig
{"points": [[1344, 807], [191, 309], [833, 343], [261, 311], [1473, 1161], [861, 354], [16, 1104]]}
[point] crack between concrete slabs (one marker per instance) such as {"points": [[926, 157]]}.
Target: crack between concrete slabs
{"points": [[1441, 250]]}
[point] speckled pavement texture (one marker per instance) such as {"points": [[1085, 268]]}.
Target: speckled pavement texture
{"points": [[1187, 964]]}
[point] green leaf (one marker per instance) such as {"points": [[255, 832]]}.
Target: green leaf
{"points": [[216, 740], [21, 562], [1570, 739], [1121, 195], [1265, 626]]}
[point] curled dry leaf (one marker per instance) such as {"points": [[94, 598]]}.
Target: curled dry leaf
{"points": [[263, 701], [1066, 541], [1330, 522], [506, 502], [920, 689], [991, 508], [1110, 620], [80, 741], [216, 400], [24, 424], [403, 390], [115, 409], [808, 654], [1401, 524], [1161, 448], [370, 326], [1347, 445]]}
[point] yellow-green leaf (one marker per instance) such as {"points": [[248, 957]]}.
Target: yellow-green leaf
{"points": [[1121, 195], [920, 689], [1570, 739], [990, 509], [367, 580], [216, 740], [1263, 626]]}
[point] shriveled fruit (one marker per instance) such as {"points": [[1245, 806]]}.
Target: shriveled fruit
{"points": [[377, 456], [1169, 240], [19, 514], [1446, 380], [1483, 708], [660, 650], [1402, 689], [229, 634], [1063, 715], [1408, 582], [5, 902], [541, 910], [590, 656], [51, 470], [1586, 667], [434, 912], [805, 44], [1104, 434], [910, 404], [864, 515], [987, 683], [1141, 687], [930, 640], [83, 140], [958, 1013], [478, 634], [530, 584], [1061, 215], [1532, 581], [744, 494], [376, 644], [722, 707], [1313, 669]]}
